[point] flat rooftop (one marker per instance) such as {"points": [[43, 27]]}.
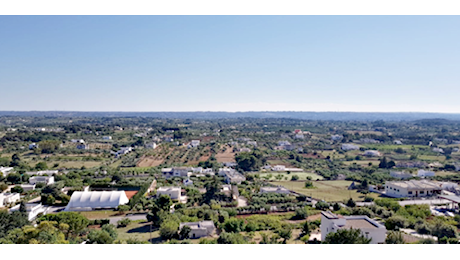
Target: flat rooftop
{"points": [[359, 223], [414, 184]]}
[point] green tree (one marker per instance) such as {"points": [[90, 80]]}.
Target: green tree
{"points": [[11, 221], [383, 163], [168, 229], [285, 234], [294, 178], [99, 237], [3, 186], [305, 229], [300, 213], [346, 236], [41, 166], [351, 203], [396, 222], [394, 237], [231, 238], [322, 205], [17, 189], [185, 232], [47, 232], [77, 222]]}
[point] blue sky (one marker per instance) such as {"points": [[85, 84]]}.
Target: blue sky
{"points": [[230, 63]]}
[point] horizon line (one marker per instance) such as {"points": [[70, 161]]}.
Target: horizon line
{"points": [[203, 111]]}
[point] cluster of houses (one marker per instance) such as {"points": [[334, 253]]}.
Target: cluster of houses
{"points": [[282, 168], [185, 172]]}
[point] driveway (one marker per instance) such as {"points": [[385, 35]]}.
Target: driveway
{"points": [[114, 220]]}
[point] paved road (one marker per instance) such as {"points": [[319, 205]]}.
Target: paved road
{"points": [[114, 220]]}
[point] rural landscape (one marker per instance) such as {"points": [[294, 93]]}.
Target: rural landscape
{"points": [[101, 179]]}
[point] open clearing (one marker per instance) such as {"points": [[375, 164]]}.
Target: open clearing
{"points": [[149, 161], [100, 214], [326, 190], [139, 230], [227, 156]]}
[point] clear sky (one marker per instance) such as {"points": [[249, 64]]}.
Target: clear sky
{"points": [[230, 63]]}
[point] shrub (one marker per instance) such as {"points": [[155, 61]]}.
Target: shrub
{"points": [[368, 199], [396, 222], [123, 222], [309, 185], [322, 205], [294, 178]]}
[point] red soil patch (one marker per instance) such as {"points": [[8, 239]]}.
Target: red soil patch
{"points": [[130, 193]]}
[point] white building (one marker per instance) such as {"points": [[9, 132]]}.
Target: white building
{"points": [[82, 146], [231, 175], [336, 137], [77, 141], [10, 198], [401, 175], [90, 200], [28, 187], [6, 170], [370, 228], [124, 150], [438, 150], [245, 150], [172, 192], [253, 143], [33, 146], [151, 145], [45, 172], [32, 210], [47, 180], [348, 147], [282, 143], [107, 137], [194, 143], [279, 190], [423, 173], [397, 142], [187, 182], [199, 229], [372, 153], [183, 172], [299, 136], [412, 188], [279, 168]]}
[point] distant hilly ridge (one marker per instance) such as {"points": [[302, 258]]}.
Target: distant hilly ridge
{"points": [[360, 116]]}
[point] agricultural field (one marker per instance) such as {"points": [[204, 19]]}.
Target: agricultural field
{"points": [[326, 190], [100, 214], [227, 156]]}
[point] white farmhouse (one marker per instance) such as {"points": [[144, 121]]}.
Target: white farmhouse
{"points": [[253, 143], [32, 210], [423, 173], [412, 188], [279, 168], [172, 192], [199, 229], [6, 170], [336, 137], [369, 228], [194, 143], [151, 145], [438, 150], [10, 198], [349, 147], [372, 153], [47, 180]]}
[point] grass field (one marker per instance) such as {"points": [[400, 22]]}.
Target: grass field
{"points": [[139, 230], [326, 190], [440, 158], [302, 175], [99, 214], [75, 164]]}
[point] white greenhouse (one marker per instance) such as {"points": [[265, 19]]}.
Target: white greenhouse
{"points": [[90, 200]]}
